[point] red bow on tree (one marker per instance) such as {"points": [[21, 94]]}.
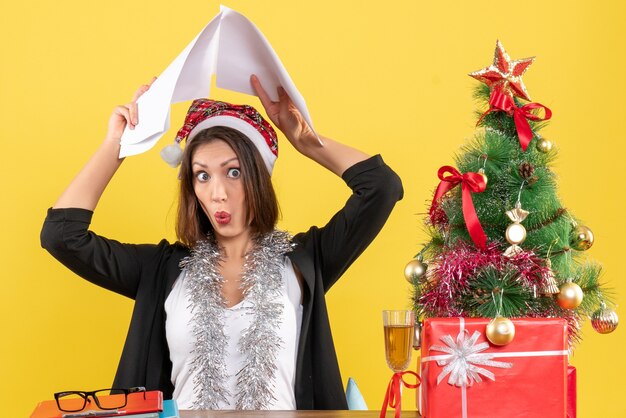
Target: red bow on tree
{"points": [[499, 100], [470, 183]]}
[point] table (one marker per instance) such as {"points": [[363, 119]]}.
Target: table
{"points": [[293, 414]]}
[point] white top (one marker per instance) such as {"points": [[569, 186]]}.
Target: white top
{"points": [[181, 342]]}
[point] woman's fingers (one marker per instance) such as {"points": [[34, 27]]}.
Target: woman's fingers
{"points": [[126, 112], [126, 115], [260, 91], [120, 118], [282, 94], [132, 106], [132, 114]]}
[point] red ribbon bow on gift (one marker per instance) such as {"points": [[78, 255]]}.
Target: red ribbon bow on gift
{"points": [[504, 102], [393, 397], [471, 183]]}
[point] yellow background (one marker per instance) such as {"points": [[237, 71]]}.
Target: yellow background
{"points": [[386, 77]]}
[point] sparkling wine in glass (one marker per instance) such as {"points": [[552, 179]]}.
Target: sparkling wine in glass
{"points": [[398, 338]]}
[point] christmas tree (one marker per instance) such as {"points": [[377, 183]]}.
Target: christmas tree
{"points": [[502, 245]]}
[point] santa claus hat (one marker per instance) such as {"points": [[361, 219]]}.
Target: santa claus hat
{"points": [[206, 113]]}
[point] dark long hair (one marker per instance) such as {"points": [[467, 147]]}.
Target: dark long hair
{"points": [[262, 209]]}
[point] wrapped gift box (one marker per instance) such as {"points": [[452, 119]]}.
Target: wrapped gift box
{"points": [[529, 374], [571, 392]]}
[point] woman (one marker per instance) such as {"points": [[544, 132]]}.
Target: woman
{"points": [[233, 315]]}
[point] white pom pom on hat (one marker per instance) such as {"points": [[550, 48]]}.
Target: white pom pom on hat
{"points": [[206, 113], [172, 154]]}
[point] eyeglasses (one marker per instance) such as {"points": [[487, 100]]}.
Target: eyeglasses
{"points": [[77, 400]]}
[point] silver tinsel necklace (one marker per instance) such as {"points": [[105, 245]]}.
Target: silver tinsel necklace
{"points": [[261, 284]]}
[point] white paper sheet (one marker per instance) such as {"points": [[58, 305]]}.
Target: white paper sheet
{"points": [[232, 48]]}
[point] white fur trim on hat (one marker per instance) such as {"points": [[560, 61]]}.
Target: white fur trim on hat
{"points": [[245, 128]]}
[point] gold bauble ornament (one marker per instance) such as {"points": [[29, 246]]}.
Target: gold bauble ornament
{"points": [[481, 171], [414, 270], [544, 145], [500, 331], [570, 296], [581, 238], [604, 320]]}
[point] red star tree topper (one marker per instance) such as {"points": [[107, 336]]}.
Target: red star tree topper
{"points": [[505, 74]]}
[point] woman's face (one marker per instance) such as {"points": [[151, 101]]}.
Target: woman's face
{"points": [[219, 188]]}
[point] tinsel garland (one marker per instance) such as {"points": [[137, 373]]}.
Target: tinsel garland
{"points": [[451, 269], [260, 342], [455, 267]]}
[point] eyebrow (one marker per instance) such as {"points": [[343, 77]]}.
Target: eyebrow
{"points": [[229, 161], [221, 165]]}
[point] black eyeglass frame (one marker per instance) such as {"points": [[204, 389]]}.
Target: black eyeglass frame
{"points": [[85, 395]]}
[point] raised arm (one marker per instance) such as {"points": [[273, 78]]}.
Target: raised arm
{"points": [[87, 187], [375, 190], [331, 154], [65, 233]]}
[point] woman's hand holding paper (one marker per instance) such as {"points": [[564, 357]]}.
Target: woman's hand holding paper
{"points": [[125, 115], [286, 117]]}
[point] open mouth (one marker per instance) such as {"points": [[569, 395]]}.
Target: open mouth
{"points": [[222, 218]]}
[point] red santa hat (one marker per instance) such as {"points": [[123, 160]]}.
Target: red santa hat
{"points": [[206, 113]]}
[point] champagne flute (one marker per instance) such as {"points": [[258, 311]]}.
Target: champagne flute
{"points": [[399, 330]]}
